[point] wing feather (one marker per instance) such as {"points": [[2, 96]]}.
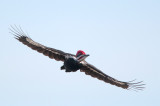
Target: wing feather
{"points": [[47, 51], [96, 73]]}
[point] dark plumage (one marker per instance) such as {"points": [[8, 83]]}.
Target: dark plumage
{"points": [[72, 62]]}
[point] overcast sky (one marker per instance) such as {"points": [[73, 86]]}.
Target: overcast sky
{"points": [[121, 36]]}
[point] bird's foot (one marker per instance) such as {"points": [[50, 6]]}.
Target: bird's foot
{"points": [[62, 67]]}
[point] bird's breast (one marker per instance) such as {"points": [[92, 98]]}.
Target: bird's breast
{"points": [[71, 64]]}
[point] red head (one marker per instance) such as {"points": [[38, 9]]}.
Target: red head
{"points": [[81, 55], [80, 52]]}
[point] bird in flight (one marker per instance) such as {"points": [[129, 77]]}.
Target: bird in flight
{"points": [[71, 62]]}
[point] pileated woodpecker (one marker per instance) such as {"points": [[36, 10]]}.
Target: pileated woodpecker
{"points": [[72, 62]]}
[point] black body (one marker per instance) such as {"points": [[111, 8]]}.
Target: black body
{"points": [[71, 64]]}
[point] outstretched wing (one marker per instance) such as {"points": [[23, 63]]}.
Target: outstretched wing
{"points": [[47, 51], [96, 73]]}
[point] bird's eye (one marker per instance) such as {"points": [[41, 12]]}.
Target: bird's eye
{"points": [[79, 54]]}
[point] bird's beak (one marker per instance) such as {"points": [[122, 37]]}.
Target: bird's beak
{"points": [[86, 55], [82, 57]]}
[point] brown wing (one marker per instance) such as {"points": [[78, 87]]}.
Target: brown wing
{"points": [[47, 51], [96, 73]]}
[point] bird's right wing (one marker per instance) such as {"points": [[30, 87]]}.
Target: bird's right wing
{"points": [[96, 73], [47, 51]]}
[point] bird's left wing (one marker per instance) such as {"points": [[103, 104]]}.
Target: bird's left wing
{"points": [[96, 73], [47, 51]]}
